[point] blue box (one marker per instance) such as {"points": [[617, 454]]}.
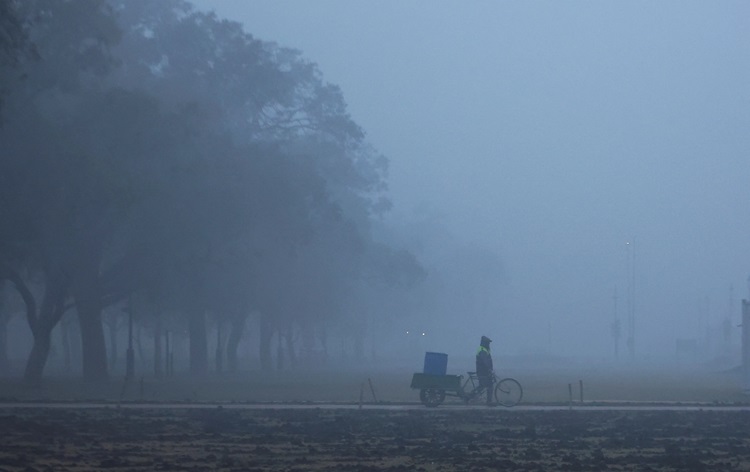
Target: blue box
{"points": [[435, 363]]}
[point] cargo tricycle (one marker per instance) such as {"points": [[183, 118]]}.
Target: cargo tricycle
{"points": [[434, 388]]}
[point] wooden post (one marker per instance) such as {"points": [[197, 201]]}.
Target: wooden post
{"points": [[580, 386]]}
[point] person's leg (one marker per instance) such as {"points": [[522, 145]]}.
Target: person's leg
{"points": [[489, 392]]}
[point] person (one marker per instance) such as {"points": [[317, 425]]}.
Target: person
{"points": [[484, 367]]}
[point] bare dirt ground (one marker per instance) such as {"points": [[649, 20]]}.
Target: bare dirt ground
{"points": [[224, 439], [230, 437]]}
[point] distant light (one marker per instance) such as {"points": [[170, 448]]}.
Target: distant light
{"points": [[422, 334], [407, 332]]}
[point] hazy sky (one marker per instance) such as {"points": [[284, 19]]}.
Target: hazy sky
{"points": [[554, 132]]}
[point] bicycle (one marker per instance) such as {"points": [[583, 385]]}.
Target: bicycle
{"points": [[507, 391], [434, 388]]}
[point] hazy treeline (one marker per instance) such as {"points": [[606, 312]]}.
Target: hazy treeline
{"points": [[155, 156]]}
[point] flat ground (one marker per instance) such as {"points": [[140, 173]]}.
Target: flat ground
{"points": [[125, 439], [220, 437], [545, 386]]}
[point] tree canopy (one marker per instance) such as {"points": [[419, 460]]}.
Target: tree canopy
{"points": [[155, 148]]}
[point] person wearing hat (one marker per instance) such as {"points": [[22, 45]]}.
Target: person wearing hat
{"points": [[484, 367]]}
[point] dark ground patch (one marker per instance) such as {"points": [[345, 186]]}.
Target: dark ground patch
{"points": [[59, 439]]}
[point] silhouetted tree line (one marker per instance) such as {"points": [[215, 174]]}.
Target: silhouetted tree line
{"points": [[152, 152]]}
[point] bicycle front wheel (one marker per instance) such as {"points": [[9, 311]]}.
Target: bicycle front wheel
{"points": [[508, 392]]}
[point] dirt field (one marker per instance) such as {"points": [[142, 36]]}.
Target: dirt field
{"points": [[454, 437], [124, 439]]}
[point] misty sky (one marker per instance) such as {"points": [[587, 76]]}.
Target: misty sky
{"points": [[552, 133]]}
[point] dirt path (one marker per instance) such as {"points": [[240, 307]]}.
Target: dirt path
{"points": [[229, 439], [582, 407]]}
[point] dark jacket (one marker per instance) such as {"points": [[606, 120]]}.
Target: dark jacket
{"points": [[484, 361]]}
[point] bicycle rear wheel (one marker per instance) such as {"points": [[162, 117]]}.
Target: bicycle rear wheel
{"points": [[508, 392], [431, 397]]}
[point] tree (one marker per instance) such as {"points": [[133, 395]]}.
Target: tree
{"points": [[14, 45], [164, 151]]}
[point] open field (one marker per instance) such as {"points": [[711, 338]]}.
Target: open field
{"points": [[540, 386], [474, 438], [217, 436]]}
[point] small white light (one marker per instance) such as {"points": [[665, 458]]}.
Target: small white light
{"points": [[407, 332], [422, 334]]}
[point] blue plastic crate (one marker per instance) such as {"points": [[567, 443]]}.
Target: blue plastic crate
{"points": [[435, 363]]}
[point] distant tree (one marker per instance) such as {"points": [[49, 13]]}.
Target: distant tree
{"points": [[262, 94], [43, 212], [14, 45], [158, 150]]}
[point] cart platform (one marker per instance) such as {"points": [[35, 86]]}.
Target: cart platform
{"points": [[442, 382]]}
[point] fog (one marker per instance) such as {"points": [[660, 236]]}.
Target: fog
{"points": [[552, 135], [280, 184]]}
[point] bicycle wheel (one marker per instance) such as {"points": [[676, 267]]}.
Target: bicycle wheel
{"points": [[431, 396], [508, 392]]}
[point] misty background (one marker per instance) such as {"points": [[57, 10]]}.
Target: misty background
{"points": [[289, 184], [551, 134]]}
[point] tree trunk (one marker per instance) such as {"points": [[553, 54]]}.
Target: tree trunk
{"points": [[65, 340], [279, 351], [290, 346], [38, 357], [71, 343], [87, 295], [4, 361], [138, 344], [4, 319], [266, 332], [219, 349], [198, 342], [157, 347], [112, 328], [307, 333], [93, 347], [235, 335], [42, 332], [55, 292]]}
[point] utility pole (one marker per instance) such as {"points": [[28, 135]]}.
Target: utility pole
{"points": [[631, 297], [616, 328], [727, 324]]}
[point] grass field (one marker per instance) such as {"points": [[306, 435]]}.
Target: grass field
{"points": [[540, 386]]}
